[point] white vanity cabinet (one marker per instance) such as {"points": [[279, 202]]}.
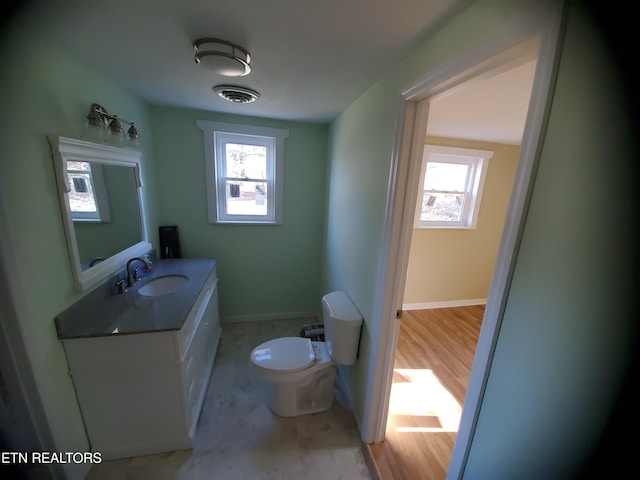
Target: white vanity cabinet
{"points": [[142, 393]]}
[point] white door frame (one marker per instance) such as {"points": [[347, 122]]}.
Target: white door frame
{"points": [[531, 37]]}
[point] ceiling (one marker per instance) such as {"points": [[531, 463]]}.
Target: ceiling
{"points": [[310, 59], [492, 110]]}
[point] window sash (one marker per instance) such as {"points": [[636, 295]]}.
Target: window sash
{"points": [[225, 213], [476, 162], [462, 212]]}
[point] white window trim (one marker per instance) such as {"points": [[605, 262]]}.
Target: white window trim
{"points": [[209, 129], [269, 143], [479, 161]]}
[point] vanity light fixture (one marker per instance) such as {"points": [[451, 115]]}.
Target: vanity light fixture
{"points": [[103, 127], [223, 57]]}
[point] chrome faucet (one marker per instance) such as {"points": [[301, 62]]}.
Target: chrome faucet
{"points": [[132, 277]]}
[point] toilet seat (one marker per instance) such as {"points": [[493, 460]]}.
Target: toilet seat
{"points": [[284, 355]]}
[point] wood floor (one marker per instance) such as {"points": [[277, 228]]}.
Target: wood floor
{"points": [[431, 372]]}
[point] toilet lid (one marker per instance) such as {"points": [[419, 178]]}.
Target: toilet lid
{"points": [[286, 354]]}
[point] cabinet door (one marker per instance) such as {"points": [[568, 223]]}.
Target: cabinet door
{"points": [[192, 323], [193, 379], [199, 358], [134, 410], [212, 330]]}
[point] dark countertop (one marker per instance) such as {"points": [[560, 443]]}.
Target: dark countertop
{"points": [[103, 310]]}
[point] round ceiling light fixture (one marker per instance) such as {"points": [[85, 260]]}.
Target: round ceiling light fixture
{"points": [[224, 58], [236, 94]]}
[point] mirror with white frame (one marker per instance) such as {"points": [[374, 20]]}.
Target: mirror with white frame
{"points": [[100, 195]]}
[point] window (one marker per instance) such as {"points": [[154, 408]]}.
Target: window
{"points": [[451, 187], [87, 192], [244, 172]]}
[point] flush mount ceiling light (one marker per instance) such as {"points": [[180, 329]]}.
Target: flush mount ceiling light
{"points": [[236, 94], [224, 58]]}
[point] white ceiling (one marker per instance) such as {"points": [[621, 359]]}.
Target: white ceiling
{"points": [[493, 109], [310, 59]]}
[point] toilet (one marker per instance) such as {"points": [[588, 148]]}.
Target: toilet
{"points": [[301, 373]]}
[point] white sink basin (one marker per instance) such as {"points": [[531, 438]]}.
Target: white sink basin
{"points": [[163, 285]]}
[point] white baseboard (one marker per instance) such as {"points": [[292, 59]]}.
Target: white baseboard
{"points": [[445, 304], [313, 317]]}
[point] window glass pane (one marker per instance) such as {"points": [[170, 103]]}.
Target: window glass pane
{"points": [[81, 198], [442, 207], [246, 161], [85, 166], [246, 198], [445, 176]]}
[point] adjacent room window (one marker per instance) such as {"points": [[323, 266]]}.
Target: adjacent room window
{"points": [[244, 172], [451, 186], [87, 192]]}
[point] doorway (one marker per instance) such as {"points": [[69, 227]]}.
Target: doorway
{"points": [[23, 425], [538, 33], [448, 278]]}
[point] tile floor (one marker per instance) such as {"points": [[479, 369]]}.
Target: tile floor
{"points": [[239, 438]]}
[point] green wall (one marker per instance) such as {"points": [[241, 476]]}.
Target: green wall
{"points": [[43, 92], [264, 270]]}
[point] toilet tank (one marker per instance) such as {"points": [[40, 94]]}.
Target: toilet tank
{"points": [[342, 324]]}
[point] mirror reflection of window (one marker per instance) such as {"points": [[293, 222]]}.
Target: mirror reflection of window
{"points": [[88, 194]]}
